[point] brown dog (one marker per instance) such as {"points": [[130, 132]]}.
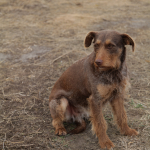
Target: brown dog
{"points": [[87, 85]]}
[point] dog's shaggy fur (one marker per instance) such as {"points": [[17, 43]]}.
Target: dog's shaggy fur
{"points": [[87, 85]]}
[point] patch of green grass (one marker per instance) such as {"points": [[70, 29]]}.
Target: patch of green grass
{"points": [[66, 145], [62, 140], [54, 139], [108, 118], [142, 125], [139, 106], [131, 103]]}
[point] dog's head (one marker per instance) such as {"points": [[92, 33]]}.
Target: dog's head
{"points": [[109, 48]]}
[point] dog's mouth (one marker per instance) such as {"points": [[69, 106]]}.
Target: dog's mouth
{"points": [[105, 67], [101, 67]]}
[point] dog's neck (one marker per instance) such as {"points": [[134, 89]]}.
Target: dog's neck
{"points": [[110, 77]]}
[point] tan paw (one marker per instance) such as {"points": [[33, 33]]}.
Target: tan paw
{"points": [[131, 132], [106, 144], [61, 131]]}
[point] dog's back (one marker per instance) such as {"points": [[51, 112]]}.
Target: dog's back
{"points": [[73, 84]]}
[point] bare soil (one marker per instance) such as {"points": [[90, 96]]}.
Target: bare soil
{"points": [[39, 39]]}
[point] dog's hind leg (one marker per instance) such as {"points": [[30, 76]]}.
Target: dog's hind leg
{"points": [[58, 109], [81, 126]]}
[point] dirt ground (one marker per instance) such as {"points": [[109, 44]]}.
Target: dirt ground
{"points": [[39, 39]]}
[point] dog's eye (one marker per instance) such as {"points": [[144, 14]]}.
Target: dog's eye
{"points": [[110, 46], [96, 46]]}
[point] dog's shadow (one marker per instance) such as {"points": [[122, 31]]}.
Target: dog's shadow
{"points": [[112, 129]]}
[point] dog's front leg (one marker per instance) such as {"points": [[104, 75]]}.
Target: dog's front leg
{"points": [[99, 125], [121, 117]]}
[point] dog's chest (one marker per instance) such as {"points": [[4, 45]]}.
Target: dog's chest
{"points": [[107, 91]]}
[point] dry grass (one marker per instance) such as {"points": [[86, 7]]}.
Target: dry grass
{"points": [[39, 40]]}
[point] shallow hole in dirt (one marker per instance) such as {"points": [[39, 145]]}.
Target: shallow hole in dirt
{"points": [[33, 51], [4, 57]]}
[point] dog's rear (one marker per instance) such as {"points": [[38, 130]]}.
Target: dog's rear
{"points": [[87, 85], [68, 98]]}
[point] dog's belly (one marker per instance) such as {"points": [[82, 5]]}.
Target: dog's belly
{"points": [[76, 113]]}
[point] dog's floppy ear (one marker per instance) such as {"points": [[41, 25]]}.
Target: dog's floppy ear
{"points": [[128, 40], [88, 40]]}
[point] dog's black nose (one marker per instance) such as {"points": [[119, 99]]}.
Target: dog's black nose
{"points": [[98, 62]]}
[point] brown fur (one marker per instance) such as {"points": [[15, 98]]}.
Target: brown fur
{"points": [[87, 85]]}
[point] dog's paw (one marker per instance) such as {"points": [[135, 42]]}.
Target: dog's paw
{"points": [[106, 144], [61, 131], [131, 132]]}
